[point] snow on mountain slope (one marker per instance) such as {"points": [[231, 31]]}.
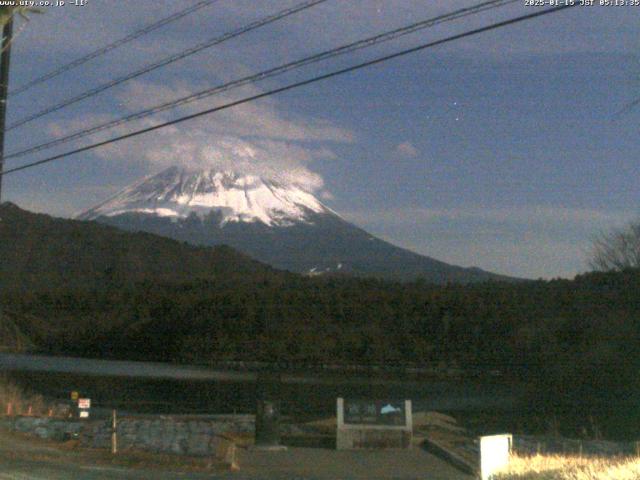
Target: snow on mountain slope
{"points": [[178, 192]]}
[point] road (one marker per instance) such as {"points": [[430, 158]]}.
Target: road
{"points": [[24, 458], [27, 459]]}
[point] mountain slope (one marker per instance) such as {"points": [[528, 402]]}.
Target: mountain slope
{"points": [[39, 250], [277, 223]]}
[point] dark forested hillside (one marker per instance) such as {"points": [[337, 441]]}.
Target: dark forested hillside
{"points": [[42, 251], [12, 336], [136, 290], [350, 320], [138, 296]]}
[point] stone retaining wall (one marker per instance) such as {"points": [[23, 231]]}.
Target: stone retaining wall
{"points": [[47, 428], [180, 436], [175, 435]]}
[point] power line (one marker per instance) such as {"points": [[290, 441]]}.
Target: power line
{"points": [[365, 43], [269, 73], [118, 43], [628, 107], [168, 60], [292, 86]]}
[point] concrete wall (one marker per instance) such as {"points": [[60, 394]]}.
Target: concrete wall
{"points": [[180, 436], [363, 438]]}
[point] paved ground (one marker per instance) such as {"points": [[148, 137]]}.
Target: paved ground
{"points": [[321, 464], [24, 459]]}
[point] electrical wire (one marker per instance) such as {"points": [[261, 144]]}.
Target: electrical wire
{"points": [[167, 61], [351, 47], [112, 46], [299, 84]]}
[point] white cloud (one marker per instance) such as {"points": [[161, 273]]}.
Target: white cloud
{"points": [[266, 158], [407, 149], [254, 138], [262, 118], [326, 195]]}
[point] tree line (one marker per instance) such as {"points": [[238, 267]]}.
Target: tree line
{"points": [[574, 341]]}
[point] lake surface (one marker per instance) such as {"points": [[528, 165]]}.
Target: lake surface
{"points": [[483, 404], [147, 387]]}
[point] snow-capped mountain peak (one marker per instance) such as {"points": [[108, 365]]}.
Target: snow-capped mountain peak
{"points": [[178, 192], [268, 217]]}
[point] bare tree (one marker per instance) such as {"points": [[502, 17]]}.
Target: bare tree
{"points": [[617, 250], [8, 13]]}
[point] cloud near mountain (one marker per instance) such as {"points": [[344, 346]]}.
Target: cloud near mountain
{"points": [[256, 137]]}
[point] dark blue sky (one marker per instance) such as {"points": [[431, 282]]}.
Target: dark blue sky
{"points": [[503, 151]]}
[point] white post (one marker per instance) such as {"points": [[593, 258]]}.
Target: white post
{"points": [[408, 414], [114, 433], [495, 453], [340, 412]]}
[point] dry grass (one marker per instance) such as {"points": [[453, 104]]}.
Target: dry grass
{"points": [[15, 401], [557, 467]]}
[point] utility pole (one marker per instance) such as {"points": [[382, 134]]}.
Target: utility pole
{"points": [[5, 53], [267, 431]]}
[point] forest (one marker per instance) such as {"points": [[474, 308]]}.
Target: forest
{"points": [[573, 341]]}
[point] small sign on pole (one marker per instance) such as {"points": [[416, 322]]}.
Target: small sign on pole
{"points": [[84, 404], [74, 396]]}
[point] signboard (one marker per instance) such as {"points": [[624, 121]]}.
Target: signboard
{"points": [[84, 403], [373, 424], [84, 414], [374, 412], [74, 396]]}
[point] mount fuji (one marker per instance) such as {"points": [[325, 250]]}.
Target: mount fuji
{"points": [[273, 220]]}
